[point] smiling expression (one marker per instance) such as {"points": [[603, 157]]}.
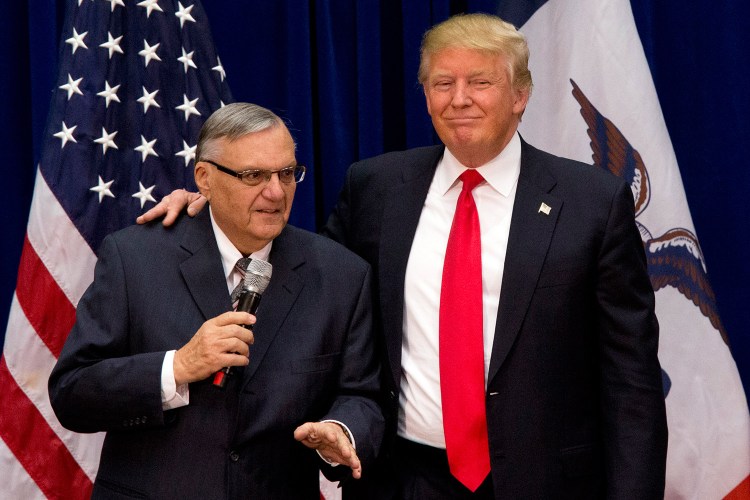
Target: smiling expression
{"points": [[473, 106]]}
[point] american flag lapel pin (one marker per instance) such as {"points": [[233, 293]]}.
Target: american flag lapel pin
{"points": [[544, 208]]}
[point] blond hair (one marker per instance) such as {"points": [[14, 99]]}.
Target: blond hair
{"points": [[483, 32]]}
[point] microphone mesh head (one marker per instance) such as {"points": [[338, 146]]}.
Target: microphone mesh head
{"points": [[257, 276]]}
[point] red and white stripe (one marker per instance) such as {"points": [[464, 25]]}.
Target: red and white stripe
{"points": [[38, 457]]}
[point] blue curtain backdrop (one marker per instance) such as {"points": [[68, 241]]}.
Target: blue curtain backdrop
{"points": [[344, 74]]}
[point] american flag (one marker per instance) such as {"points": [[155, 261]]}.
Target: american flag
{"points": [[136, 81]]}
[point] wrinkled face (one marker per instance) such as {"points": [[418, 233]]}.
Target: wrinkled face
{"points": [[474, 109], [250, 216]]}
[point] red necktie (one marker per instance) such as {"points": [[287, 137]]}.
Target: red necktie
{"points": [[461, 344]]}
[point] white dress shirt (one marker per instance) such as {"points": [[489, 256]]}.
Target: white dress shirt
{"points": [[171, 395], [420, 407]]}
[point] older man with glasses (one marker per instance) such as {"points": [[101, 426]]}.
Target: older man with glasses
{"points": [[158, 323]]}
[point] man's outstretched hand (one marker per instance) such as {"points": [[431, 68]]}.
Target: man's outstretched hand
{"points": [[330, 440], [171, 205]]}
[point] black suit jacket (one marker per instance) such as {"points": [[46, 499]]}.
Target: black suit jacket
{"points": [[312, 359], [575, 406]]}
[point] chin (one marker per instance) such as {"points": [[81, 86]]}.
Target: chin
{"points": [[463, 144], [270, 232]]}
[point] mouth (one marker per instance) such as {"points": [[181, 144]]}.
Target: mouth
{"points": [[462, 120], [268, 214]]}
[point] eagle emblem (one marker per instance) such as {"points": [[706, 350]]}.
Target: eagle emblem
{"points": [[674, 258]]}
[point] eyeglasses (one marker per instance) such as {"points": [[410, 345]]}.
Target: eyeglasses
{"points": [[253, 177]]}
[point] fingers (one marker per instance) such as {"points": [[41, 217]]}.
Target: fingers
{"points": [[330, 440], [302, 432], [173, 211], [355, 466], [172, 205], [196, 203], [234, 318], [154, 213], [219, 342]]}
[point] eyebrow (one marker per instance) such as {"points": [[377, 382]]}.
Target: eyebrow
{"points": [[491, 75], [250, 169]]}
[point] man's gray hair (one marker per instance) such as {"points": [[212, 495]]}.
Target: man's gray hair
{"points": [[233, 121]]}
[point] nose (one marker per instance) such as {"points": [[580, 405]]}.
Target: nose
{"points": [[461, 97], [273, 189]]}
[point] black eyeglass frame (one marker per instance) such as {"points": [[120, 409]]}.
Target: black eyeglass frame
{"points": [[299, 173]]}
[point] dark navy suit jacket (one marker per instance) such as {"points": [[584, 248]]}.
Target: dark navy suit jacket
{"points": [[575, 406], [313, 359]]}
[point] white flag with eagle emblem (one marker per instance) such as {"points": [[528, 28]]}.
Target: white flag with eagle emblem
{"points": [[594, 100]]}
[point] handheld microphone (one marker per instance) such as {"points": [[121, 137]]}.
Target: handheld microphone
{"points": [[256, 280]]}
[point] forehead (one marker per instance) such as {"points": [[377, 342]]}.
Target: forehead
{"points": [[271, 148], [465, 61]]}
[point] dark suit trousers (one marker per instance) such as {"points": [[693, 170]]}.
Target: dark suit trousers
{"points": [[425, 475]]}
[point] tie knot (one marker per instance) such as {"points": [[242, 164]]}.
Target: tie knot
{"points": [[471, 179], [243, 263]]}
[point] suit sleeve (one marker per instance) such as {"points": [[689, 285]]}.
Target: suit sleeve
{"points": [[632, 398], [337, 225], [359, 384], [97, 383]]}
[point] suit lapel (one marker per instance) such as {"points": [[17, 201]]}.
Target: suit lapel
{"points": [[403, 206], [278, 299], [202, 270], [535, 213]]}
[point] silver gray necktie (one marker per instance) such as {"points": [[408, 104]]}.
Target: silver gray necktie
{"points": [[241, 265]]}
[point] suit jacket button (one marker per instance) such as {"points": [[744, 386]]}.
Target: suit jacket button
{"points": [[234, 456]]}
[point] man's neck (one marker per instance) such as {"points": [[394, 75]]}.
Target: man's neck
{"points": [[472, 157]]}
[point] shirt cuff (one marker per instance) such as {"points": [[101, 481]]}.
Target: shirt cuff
{"points": [[348, 435], [172, 396]]}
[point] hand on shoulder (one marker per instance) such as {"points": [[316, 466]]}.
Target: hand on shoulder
{"points": [[172, 204]]}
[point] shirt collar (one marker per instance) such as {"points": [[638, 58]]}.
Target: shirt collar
{"points": [[501, 172], [229, 253]]}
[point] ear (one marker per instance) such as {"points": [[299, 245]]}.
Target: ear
{"points": [[203, 179], [521, 99]]}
